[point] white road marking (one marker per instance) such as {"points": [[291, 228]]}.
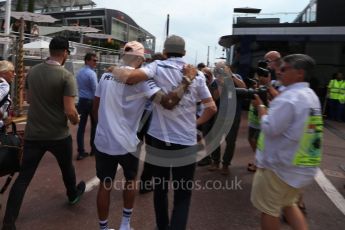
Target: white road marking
{"points": [[91, 184], [333, 173], [329, 189], [94, 182]]}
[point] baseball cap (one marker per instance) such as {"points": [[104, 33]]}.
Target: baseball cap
{"points": [[59, 43], [174, 44], [134, 48]]}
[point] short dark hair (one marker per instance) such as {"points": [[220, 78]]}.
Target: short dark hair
{"points": [[59, 43], [201, 65], [169, 55], [174, 44], [89, 56], [302, 61], [158, 56]]}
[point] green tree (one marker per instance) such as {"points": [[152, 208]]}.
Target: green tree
{"points": [[31, 6], [19, 6]]}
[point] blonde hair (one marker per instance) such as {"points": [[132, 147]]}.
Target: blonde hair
{"points": [[6, 66]]}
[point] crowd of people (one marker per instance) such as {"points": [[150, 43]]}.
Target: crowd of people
{"points": [[175, 100]]}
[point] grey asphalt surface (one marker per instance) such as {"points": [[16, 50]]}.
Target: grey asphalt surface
{"points": [[45, 204]]}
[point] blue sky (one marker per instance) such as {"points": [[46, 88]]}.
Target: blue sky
{"points": [[200, 23]]}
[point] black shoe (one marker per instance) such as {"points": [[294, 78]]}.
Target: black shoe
{"points": [[8, 227], [205, 161], [80, 191], [82, 156], [93, 152]]}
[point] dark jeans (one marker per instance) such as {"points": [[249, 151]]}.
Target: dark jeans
{"points": [[332, 109], [340, 112], [206, 128], [230, 142], [182, 181], [147, 173], [85, 110], [33, 153]]}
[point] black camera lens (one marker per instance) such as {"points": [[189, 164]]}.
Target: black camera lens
{"points": [[263, 64], [262, 72]]}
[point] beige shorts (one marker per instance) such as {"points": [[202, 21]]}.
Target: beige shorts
{"points": [[270, 194]]}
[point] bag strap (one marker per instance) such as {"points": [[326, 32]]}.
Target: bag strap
{"points": [[14, 128]]}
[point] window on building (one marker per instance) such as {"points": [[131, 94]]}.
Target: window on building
{"points": [[133, 33], [84, 22], [119, 29], [96, 21], [313, 12]]}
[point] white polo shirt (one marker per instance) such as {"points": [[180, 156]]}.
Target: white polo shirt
{"points": [[176, 126], [120, 109]]}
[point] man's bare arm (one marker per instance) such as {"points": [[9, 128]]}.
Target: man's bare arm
{"points": [[170, 100], [130, 76], [238, 82], [210, 109], [70, 110], [272, 91]]}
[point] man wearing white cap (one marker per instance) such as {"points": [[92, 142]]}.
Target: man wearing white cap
{"points": [[118, 108], [172, 134]]}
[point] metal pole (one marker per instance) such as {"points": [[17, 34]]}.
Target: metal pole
{"points": [[168, 23], [208, 56], [7, 27], [18, 102]]}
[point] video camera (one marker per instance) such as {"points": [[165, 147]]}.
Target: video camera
{"points": [[262, 69], [249, 93]]}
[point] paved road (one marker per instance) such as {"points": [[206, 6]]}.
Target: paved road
{"points": [[45, 205]]}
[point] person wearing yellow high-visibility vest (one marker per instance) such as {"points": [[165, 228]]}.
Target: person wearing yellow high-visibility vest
{"points": [[334, 94], [289, 147], [340, 116]]}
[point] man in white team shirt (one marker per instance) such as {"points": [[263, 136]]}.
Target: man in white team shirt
{"points": [[172, 133], [118, 108]]}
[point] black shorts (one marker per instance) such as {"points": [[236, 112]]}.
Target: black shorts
{"points": [[106, 166], [253, 133]]}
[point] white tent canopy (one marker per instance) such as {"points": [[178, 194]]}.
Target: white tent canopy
{"points": [[32, 17], [100, 36], [37, 45], [81, 29]]}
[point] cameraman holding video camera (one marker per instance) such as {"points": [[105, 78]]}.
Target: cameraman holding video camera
{"points": [[266, 92]]}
